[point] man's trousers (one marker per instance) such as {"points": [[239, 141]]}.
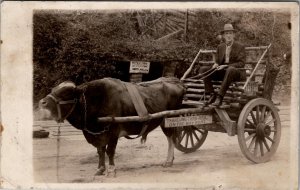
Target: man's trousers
{"points": [[227, 76]]}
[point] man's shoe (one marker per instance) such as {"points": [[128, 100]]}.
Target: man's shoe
{"points": [[218, 101], [211, 99]]}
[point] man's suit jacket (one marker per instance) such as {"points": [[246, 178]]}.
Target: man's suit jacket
{"points": [[237, 55]]}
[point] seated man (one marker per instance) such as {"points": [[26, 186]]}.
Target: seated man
{"points": [[229, 57]]}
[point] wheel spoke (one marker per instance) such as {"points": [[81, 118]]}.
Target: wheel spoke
{"points": [[181, 136], [257, 114], [261, 148], [273, 130], [271, 121], [250, 122], [250, 136], [196, 136], [269, 138], [266, 145], [253, 118], [256, 147], [192, 140], [199, 131], [263, 112], [186, 140], [249, 130], [267, 116], [252, 143]]}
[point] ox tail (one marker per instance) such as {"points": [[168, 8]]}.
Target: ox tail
{"points": [[143, 139]]}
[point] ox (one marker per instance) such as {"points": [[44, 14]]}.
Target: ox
{"points": [[82, 105]]}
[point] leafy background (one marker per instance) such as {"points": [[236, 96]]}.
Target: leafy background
{"points": [[84, 45]]}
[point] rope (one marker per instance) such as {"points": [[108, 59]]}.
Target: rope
{"points": [[106, 128], [58, 150]]}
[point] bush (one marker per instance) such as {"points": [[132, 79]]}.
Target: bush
{"points": [[84, 45]]}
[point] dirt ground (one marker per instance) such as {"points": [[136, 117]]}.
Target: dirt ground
{"points": [[218, 163]]}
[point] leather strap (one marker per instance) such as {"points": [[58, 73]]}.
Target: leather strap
{"points": [[138, 105]]}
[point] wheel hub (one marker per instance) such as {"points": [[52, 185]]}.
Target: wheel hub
{"points": [[263, 130]]}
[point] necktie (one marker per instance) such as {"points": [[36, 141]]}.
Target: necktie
{"points": [[227, 53]]}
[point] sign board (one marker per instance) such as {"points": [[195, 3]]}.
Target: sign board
{"points": [[188, 120], [139, 67]]}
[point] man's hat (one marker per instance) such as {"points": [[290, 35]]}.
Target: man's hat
{"points": [[228, 27]]}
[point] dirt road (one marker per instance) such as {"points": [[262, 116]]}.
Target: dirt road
{"points": [[218, 163]]}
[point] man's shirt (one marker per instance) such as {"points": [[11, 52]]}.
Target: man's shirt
{"points": [[227, 52]]}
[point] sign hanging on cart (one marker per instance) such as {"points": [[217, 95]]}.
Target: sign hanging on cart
{"points": [[188, 120]]}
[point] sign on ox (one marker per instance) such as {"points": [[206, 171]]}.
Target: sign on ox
{"points": [[188, 120], [139, 67]]}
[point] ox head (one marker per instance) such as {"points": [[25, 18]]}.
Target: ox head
{"points": [[60, 103]]}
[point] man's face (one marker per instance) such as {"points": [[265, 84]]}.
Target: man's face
{"points": [[228, 36]]}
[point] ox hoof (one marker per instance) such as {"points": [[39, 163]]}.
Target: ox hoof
{"points": [[111, 171], [100, 171], [167, 164]]}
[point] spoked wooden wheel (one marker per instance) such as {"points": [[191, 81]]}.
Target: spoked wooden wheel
{"points": [[259, 130], [189, 138]]}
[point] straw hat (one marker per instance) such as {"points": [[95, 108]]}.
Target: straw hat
{"points": [[228, 27]]}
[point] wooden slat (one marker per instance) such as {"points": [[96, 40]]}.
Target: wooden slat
{"points": [[256, 48], [178, 13], [192, 13], [208, 51], [206, 62], [169, 35], [160, 24], [179, 21], [194, 85], [195, 96], [172, 27], [195, 90], [253, 63], [176, 26]]}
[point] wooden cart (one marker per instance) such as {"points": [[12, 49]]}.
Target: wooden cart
{"points": [[248, 112]]}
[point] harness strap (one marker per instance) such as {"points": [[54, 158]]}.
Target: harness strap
{"points": [[106, 128], [138, 105], [208, 74], [62, 102]]}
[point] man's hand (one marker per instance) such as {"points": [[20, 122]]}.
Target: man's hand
{"points": [[215, 65], [221, 67]]}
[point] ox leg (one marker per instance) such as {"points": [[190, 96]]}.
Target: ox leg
{"points": [[101, 165], [111, 149], [169, 132], [170, 157]]}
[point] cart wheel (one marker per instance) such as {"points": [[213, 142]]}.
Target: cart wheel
{"points": [[259, 130], [189, 138]]}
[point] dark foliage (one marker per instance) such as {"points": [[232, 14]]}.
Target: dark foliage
{"points": [[84, 45]]}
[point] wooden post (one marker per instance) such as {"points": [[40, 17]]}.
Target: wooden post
{"points": [[186, 25], [269, 80], [136, 77], [256, 67], [165, 21], [187, 72], [169, 69]]}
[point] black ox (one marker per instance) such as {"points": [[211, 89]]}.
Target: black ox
{"points": [[82, 105]]}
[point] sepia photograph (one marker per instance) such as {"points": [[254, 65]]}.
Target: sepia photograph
{"points": [[194, 95]]}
